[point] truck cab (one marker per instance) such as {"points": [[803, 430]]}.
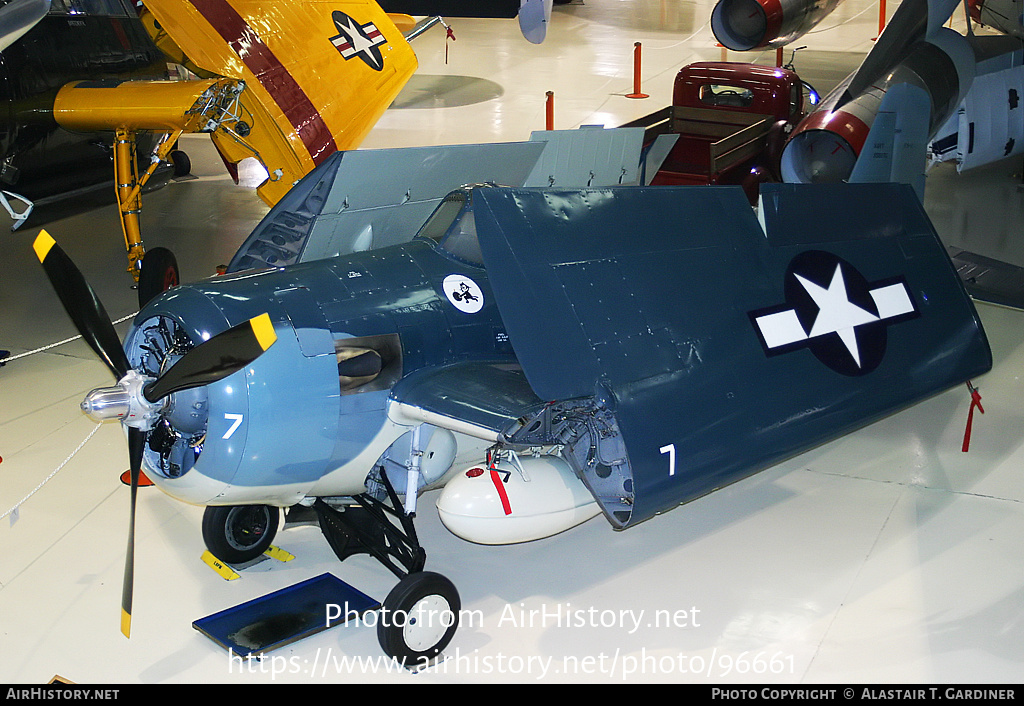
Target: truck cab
{"points": [[732, 120]]}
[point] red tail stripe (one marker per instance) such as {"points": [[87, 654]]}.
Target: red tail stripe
{"points": [[272, 75]]}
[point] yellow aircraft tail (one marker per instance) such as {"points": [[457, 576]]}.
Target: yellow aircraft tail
{"points": [[318, 75]]}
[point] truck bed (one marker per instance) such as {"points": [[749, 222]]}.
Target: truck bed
{"points": [[711, 141]]}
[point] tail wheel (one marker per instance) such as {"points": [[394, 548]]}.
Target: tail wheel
{"points": [[239, 533], [182, 164], [419, 618], [159, 272]]}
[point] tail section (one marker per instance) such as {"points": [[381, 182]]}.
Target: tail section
{"points": [[897, 145], [318, 75]]}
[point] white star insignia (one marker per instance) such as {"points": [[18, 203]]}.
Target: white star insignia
{"points": [[836, 314], [357, 40]]}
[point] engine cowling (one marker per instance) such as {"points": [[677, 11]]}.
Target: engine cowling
{"points": [[507, 505]]}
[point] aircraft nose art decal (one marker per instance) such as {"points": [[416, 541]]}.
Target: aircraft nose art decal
{"points": [[833, 310], [463, 293], [354, 39]]}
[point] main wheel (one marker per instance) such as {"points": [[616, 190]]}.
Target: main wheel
{"points": [[159, 272], [182, 164], [419, 618], [239, 533]]}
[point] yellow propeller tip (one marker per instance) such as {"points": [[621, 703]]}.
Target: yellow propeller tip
{"points": [[263, 329], [42, 245], [126, 623]]}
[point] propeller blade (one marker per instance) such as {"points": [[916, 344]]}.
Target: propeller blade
{"points": [[81, 303], [136, 441], [213, 360]]}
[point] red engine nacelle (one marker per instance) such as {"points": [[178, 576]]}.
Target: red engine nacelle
{"points": [[741, 25], [826, 144]]}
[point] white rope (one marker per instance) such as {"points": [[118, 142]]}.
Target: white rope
{"points": [[14, 510], [47, 479], [54, 345]]}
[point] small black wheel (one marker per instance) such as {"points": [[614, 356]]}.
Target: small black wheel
{"points": [[239, 533], [418, 618], [158, 273], [181, 162]]}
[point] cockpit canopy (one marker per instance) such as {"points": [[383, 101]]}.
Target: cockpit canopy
{"points": [[453, 227]]}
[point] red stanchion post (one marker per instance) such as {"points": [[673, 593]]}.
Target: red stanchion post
{"points": [[550, 110], [636, 74], [881, 17], [778, 57]]}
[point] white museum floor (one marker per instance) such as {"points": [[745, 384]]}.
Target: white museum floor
{"points": [[886, 556]]}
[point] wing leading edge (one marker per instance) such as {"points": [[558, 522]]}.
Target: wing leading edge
{"points": [[715, 346], [475, 398]]}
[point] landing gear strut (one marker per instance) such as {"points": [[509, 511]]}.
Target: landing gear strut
{"points": [[421, 613]]}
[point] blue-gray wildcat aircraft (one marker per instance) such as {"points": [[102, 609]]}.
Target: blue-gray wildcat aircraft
{"points": [[544, 353]]}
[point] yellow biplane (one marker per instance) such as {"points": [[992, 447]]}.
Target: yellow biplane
{"points": [[287, 82]]}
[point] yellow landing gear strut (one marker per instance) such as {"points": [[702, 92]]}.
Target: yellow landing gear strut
{"points": [[128, 107]]}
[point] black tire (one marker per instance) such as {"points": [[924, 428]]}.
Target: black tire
{"points": [[159, 272], [418, 618], [239, 533], [181, 162]]}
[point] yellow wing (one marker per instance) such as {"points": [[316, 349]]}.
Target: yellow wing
{"points": [[318, 75]]}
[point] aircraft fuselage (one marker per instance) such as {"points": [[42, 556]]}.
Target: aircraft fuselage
{"points": [[293, 424]]}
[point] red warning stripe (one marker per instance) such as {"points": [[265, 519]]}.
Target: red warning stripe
{"points": [[272, 75], [500, 487]]}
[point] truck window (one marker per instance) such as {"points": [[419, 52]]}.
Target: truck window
{"points": [[725, 95]]}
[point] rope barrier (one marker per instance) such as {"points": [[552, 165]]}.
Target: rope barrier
{"points": [[11, 359], [13, 512]]}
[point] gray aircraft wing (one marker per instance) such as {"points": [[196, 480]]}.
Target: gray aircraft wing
{"points": [[587, 157], [366, 199]]}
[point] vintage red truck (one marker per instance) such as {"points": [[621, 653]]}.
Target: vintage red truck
{"points": [[732, 120]]}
